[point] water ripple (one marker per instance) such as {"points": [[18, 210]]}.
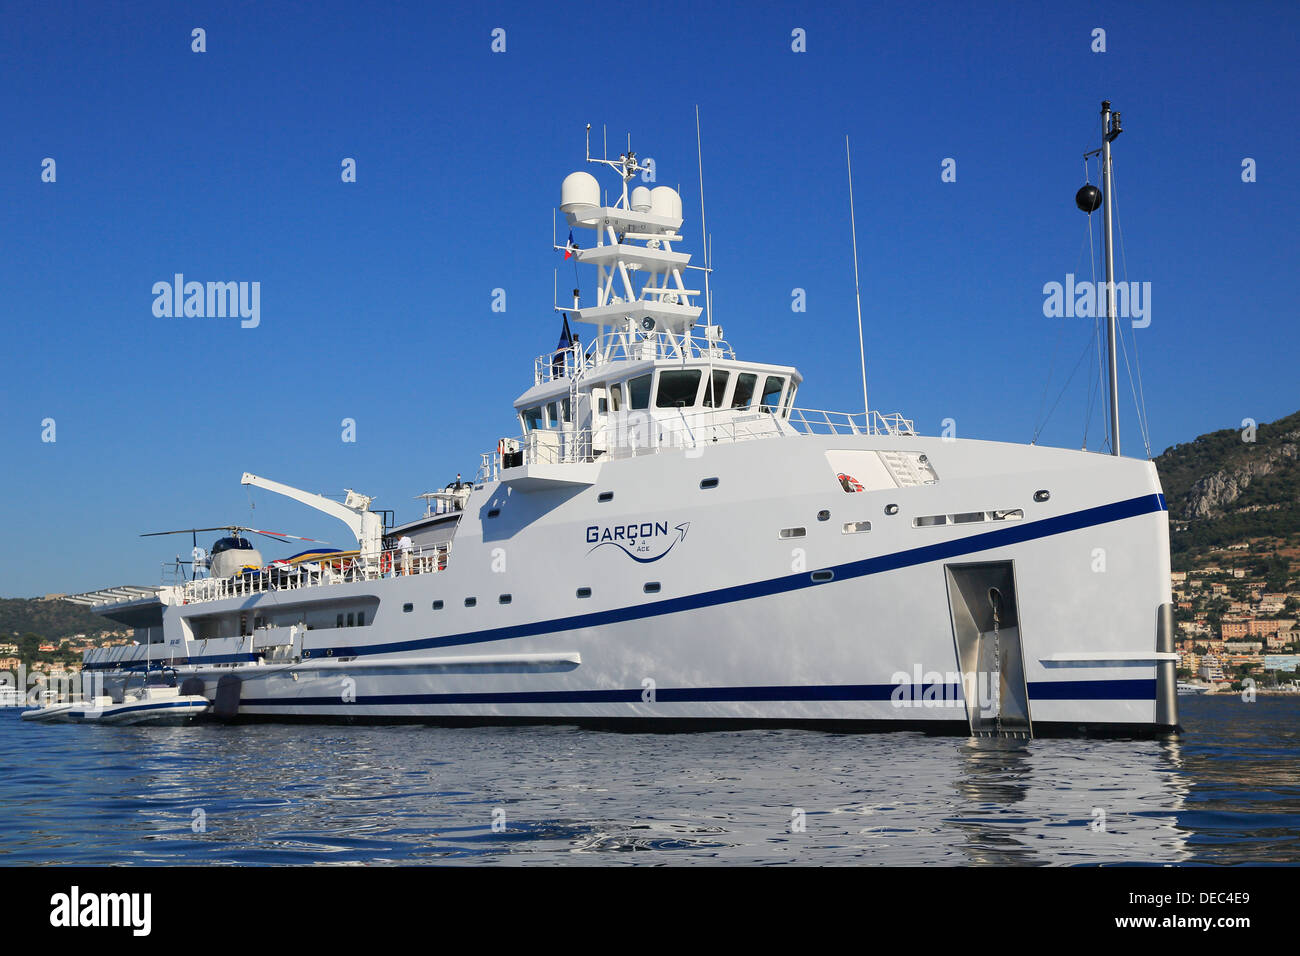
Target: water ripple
{"points": [[1225, 791]]}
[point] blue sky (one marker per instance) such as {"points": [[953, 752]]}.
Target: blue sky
{"points": [[376, 295]]}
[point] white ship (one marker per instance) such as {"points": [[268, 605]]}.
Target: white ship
{"points": [[673, 542]]}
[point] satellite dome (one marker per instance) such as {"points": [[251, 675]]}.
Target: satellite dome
{"points": [[665, 202], [641, 199], [579, 191]]}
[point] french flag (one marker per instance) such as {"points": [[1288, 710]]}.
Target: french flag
{"points": [[570, 247]]}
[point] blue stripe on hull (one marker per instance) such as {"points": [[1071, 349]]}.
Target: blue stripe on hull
{"points": [[960, 547], [1134, 507], [1041, 690]]}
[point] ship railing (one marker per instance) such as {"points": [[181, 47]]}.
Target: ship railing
{"points": [[821, 422], [572, 362], [389, 563], [640, 433]]}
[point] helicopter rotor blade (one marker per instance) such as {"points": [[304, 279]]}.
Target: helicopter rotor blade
{"points": [[154, 534], [280, 535]]}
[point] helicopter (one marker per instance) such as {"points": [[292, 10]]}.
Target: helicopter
{"points": [[230, 555]]}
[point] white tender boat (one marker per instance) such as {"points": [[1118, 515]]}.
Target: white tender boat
{"points": [[148, 705]]}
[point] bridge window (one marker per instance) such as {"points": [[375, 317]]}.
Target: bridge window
{"points": [[715, 388], [772, 391], [678, 387], [638, 392], [789, 400], [552, 415], [532, 418], [615, 397], [745, 383]]}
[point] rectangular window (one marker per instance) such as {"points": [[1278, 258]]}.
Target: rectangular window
{"points": [[638, 392], [745, 383], [553, 415], [352, 620], [929, 521], [339, 621], [968, 517], [584, 592], [361, 618], [408, 608], [856, 527], [437, 605], [532, 418], [651, 587], [772, 391], [677, 387], [505, 599], [1014, 515], [602, 406], [789, 400], [566, 411], [715, 388], [793, 532], [616, 397], [471, 602]]}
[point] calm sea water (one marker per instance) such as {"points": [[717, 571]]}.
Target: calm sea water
{"points": [[1225, 791]]}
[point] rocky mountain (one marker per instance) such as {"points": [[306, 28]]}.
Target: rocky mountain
{"points": [[1233, 485]]}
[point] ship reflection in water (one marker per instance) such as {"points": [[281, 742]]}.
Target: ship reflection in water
{"points": [[1227, 790]]}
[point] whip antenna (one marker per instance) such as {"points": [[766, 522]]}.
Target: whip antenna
{"points": [[857, 290]]}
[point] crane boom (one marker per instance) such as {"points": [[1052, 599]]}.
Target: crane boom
{"points": [[354, 512]]}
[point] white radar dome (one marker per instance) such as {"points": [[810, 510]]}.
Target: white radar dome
{"points": [[665, 202], [579, 190], [641, 199]]}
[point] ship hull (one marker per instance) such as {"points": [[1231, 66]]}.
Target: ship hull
{"points": [[740, 601]]}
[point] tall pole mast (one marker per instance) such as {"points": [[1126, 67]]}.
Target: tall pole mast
{"points": [[1110, 128]]}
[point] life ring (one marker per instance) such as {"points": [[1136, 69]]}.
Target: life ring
{"points": [[850, 484], [386, 562]]}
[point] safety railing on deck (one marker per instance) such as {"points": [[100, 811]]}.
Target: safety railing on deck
{"points": [[576, 360], [390, 563]]}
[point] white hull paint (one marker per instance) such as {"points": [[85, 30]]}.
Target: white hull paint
{"points": [[738, 629]]}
